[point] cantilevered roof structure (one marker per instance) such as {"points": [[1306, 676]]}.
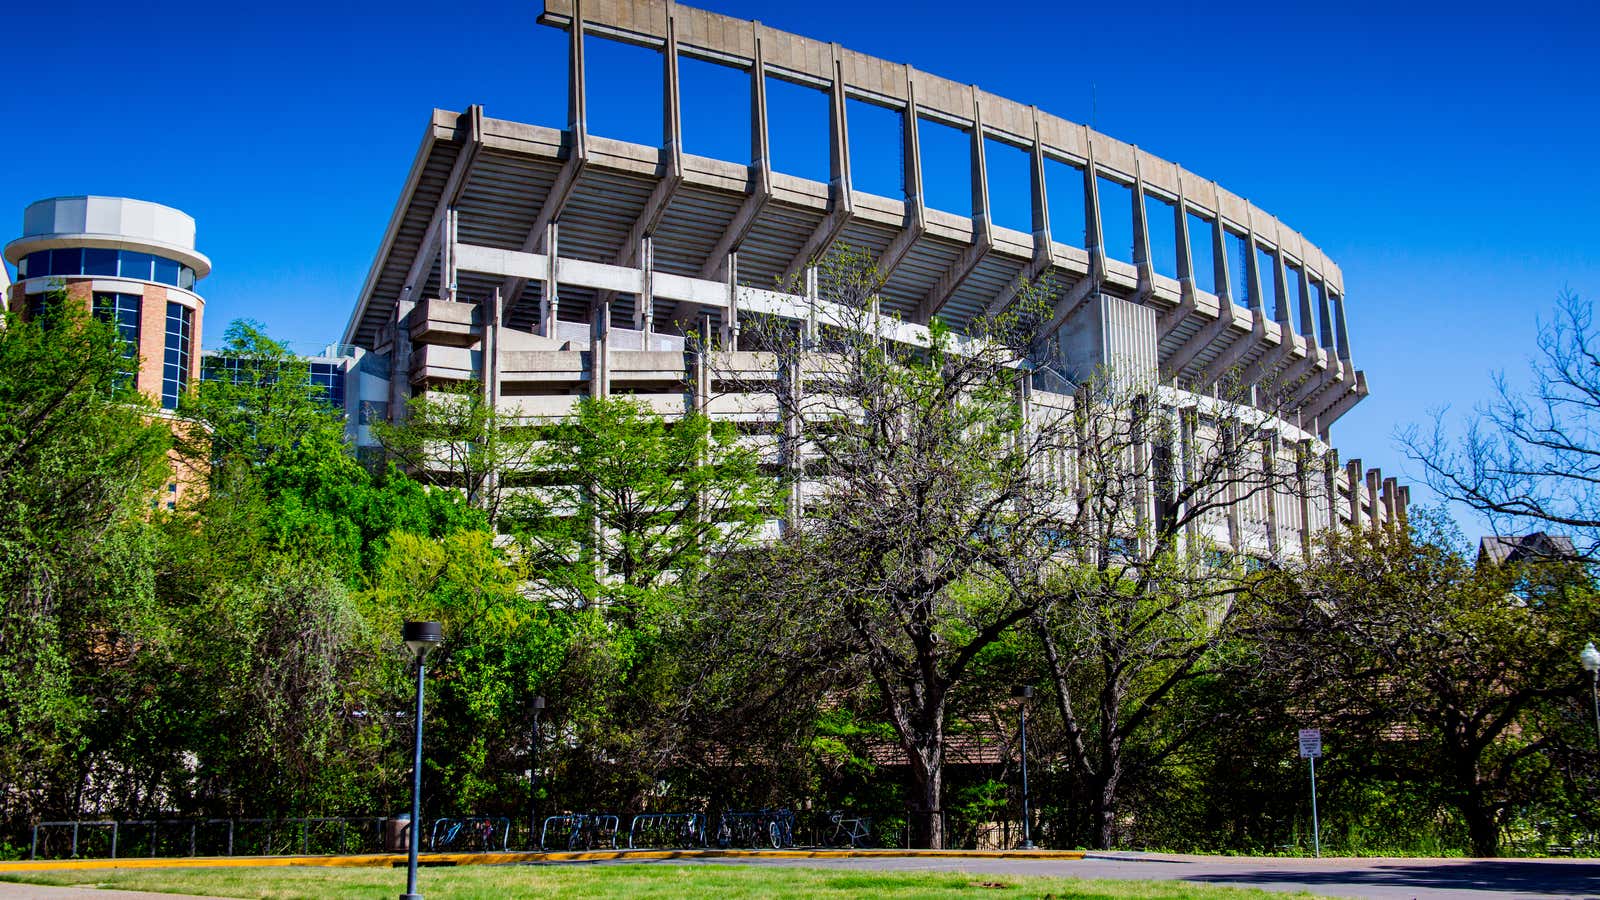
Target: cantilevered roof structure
{"points": [[1276, 315]]}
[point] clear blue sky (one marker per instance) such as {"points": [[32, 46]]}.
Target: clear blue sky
{"points": [[1445, 157]]}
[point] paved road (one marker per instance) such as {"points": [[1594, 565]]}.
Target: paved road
{"points": [[1380, 879]]}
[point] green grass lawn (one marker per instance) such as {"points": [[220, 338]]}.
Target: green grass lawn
{"points": [[724, 882]]}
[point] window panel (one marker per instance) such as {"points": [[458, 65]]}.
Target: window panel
{"points": [[99, 261], [166, 271], [175, 366], [67, 261], [136, 265]]}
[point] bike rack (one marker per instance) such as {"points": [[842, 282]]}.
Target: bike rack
{"points": [[676, 824], [502, 822], [605, 824]]}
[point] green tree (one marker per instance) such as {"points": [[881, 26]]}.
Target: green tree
{"points": [[628, 501], [81, 456], [1440, 670]]}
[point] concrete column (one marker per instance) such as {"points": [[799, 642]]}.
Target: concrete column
{"points": [[1374, 496], [1142, 262], [1330, 479], [489, 369], [550, 302], [672, 99], [1303, 459], [1280, 289], [1095, 236], [1252, 274], [838, 135], [730, 320], [760, 148], [644, 311], [600, 350], [1341, 333], [1180, 231], [577, 84], [1308, 323], [1226, 292], [400, 358], [447, 256], [1325, 335], [911, 153], [812, 296], [1352, 472], [1042, 239], [982, 220], [1269, 469]]}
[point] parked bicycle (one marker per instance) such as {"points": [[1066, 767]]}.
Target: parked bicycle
{"points": [[849, 831], [757, 828], [471, 833]]}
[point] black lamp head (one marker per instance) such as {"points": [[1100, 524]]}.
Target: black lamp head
{"points": [[422, 637], [1023, 691], [536, 704]]}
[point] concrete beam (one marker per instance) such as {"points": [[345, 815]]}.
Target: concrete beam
{"points": [[841, 206]]}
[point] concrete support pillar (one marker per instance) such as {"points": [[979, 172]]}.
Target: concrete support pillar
{"points": [[1180, 231], [1226, 292], [730, 319], [1094, 231], [760, 148], [577, 84], [1341, 333], [600, 350], [1043, 242], [812, 297], [982, 219], [550, 301], [1305, 487], [1374, 497], [672, 93], [644, 311], [1352, 472], [839, 185], [400, 358], [1252, 275], [1143, 264], [447, 256], [1269, 471]]}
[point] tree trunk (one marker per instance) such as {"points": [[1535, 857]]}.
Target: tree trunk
{"points": [[1103, 808], [927, 789], [1482, 831]]}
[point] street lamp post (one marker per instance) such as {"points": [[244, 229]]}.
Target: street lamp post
{"points": [[1024, 693], [420, 637], [1590, 657], [536, 706]]}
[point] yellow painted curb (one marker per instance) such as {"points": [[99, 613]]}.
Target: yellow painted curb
{"points": [[380, 860]]}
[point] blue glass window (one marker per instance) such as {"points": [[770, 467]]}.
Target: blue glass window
{"points": [[122, 312], [99, 261], [136, 265], [328, 380], [166, 271], [66, 261], [186, 278], [175, 367]]}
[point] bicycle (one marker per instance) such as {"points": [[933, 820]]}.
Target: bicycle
{"points": [[585, 832], [854, 831]]}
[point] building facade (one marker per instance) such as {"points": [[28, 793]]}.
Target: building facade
{"points": [[131, 263], [549, 264]]}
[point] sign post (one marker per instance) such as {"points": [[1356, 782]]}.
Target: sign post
{"points": [[1310, 749]]}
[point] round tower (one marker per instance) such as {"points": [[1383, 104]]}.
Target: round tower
{"points": [[132, 263]]}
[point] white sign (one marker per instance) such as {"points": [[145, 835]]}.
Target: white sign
{"points": [[1310, 743]]}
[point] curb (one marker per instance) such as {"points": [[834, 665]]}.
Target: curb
{"points": [[384, 860]]}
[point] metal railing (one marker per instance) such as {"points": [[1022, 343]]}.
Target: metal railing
{"points": [[667, 830], [604, 828], [471, 832], [121, 838]]}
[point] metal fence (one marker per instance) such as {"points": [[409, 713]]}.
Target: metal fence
{"points": [[206, 837]]}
